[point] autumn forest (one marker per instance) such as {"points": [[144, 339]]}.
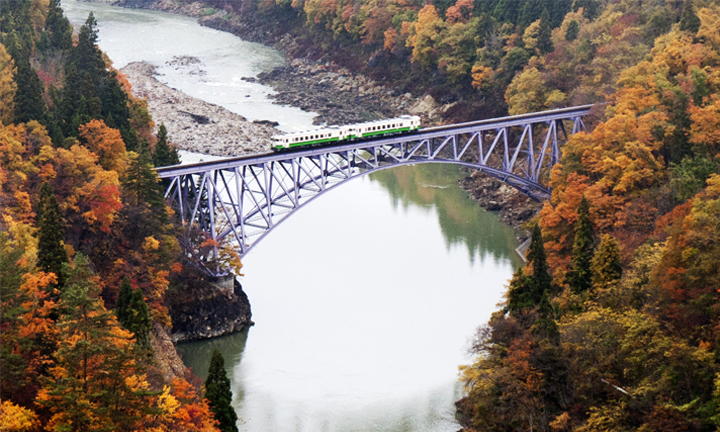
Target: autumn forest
{"points": [[612, 325]]}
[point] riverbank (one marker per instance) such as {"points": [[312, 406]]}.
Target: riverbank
{"points": [[192, 124]]}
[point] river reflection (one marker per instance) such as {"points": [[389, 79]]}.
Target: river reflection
{"points": [[365, 302], [461, 220]]}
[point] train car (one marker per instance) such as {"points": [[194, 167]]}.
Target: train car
{"points": [[337, 134]]}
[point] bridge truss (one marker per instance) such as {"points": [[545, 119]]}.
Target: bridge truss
{"points": [[243, 199]]}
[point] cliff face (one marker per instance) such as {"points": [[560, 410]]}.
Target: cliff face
{"points": [[204, 309]]}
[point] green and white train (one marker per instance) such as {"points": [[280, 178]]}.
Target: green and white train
{"points": [[339, 134]]}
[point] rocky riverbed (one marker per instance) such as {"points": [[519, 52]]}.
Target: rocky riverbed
{"points": [[342, 97], [192, 124]]}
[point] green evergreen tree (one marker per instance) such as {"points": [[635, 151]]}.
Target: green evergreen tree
{"points": [[219, 394], [139, 321], [51, 251], [590, 8], [92, 91], [29, 104], [529, 12], [122, 305], [580, 277], [607, 263], [545, 326], [541, 280], [520, 293], [143, 185], [544, 41], [58, 28], [572, 31], [689, 21], [164, 154]]}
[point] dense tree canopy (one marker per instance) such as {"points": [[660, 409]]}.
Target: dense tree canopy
{"points": [[81, 215]]}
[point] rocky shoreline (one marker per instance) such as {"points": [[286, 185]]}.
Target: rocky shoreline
{"points": [[342, 97], [192, 124]]}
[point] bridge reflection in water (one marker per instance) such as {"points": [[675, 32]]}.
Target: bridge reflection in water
{"points": [[244, 198]]}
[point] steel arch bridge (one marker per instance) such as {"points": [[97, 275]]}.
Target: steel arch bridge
{"points": [[245, 198]]}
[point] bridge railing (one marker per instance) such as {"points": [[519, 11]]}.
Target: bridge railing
{"points": [[242, 199]]}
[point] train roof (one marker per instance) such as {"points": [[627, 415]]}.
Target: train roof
{"points": [[336, 127]]}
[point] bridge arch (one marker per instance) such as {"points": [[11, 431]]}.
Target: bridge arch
{"points": [[245, 198]]}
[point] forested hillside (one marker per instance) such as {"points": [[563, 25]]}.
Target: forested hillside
{"points": [[88, 253], [614, 323], [488, 57]]}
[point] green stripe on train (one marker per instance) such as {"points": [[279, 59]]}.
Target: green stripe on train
{"points": [[302, 143], [386, 131]]}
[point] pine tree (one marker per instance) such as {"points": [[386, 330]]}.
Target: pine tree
{"points": [[139, 321], [590, 8], [51, 250], [97, 382], [544, 41], [58, 27], [219, 394], [520, 293], [122, 304], [133, 313], [143, 184], [580, 277], [545, 326], [29, 104], [164, 154], [529, 12], [607, 263], [689, 20], [573, 29], [540, 280]]}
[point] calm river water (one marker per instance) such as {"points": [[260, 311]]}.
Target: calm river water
{"points": [[366, 300]]}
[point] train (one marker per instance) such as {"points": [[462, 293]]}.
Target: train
{"points": [[339, 134]]}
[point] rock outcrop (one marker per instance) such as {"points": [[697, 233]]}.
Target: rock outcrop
{"points": [[199, 309]]}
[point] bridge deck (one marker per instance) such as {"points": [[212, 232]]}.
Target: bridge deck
{"points": [[423, 134]]}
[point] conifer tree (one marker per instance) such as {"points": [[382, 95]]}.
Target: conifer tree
{"points": [[573, 29], [219, 394], [546, 326], [590, 8], [143, 184], [139, 321], [580, 277], [122, 304], [541, 280], [607, 262], [544, 41], [133, 313], [29, 104], [164, 154], [58, 27], [97, 382], [51, 251], [689, 21], [520, 292]]}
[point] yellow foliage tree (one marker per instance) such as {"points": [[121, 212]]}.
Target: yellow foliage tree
{"points": [[106, 143], [15, 418], [426, 35]]}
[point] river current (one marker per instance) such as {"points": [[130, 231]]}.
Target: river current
{"points": [[367, 299]]}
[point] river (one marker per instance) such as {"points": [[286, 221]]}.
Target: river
{"points": [[367, 299]]}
